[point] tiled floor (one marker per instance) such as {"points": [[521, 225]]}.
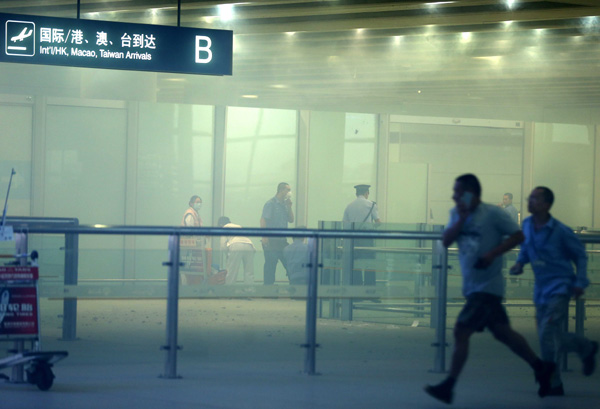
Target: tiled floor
{"points": [[247, 354]]}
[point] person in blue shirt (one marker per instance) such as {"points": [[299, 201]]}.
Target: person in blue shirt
{"points": [[483, 232], [551, 248]]}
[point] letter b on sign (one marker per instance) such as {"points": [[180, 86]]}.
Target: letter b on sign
{"points": [[203, 51]]}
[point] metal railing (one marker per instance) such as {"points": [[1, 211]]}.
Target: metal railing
{"points": [[439, 274], [174, 233]]}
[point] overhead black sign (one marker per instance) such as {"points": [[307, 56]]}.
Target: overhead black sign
{"points": [[121, 46]]}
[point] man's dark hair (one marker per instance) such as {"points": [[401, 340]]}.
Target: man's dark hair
{"points": [[510, 196], [281, 186], [223, 220], [470, 183], [547, 193]]}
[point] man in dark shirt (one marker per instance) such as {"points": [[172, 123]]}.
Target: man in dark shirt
{"points": [[276, 214]]}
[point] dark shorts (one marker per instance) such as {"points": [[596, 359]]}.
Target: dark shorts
{"points": [[482, 310]]}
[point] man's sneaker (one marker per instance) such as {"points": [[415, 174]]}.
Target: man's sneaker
{"points": [[440, 392], [556, 391], [543, 376], [589, 362]]}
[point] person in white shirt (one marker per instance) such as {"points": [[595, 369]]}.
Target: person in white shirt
{"points": [[362, 214], [240, 250]]}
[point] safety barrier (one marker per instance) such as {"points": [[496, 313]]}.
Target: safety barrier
{"points": [[439, 276]]}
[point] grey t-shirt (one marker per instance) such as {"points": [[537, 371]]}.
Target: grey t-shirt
{"points": [[484, 229], [296, 258], [512, 212]]}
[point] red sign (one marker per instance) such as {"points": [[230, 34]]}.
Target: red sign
{"points": [[18, 273], [18, 311]]}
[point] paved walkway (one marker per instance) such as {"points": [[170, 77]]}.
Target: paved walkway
{"points": [[246, 354]]}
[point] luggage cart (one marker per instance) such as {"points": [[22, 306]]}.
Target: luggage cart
{"points": [[20, 312], [19, 323]]}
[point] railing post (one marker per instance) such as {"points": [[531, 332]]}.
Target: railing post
{"points": [[347, 272], [311, 307], [69, 331], [579, 316], [172, 309], [418, 276], [21, 249], [441, 264]]}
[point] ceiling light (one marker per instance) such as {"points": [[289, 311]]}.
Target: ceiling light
{"points": [[225, 12], [494, 59], [208, 19], [511, 4], [465, 37], [438, 3], [430, 29], [590, 21], [250, 96]]}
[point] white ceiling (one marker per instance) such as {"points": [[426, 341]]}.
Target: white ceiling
{"points": [[336, 54]]}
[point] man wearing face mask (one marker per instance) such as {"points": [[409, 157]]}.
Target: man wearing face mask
{"points": [[276, 214]]}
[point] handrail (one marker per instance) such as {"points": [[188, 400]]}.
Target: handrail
{"points": [[220, 231], [439, 268], [42, 220], [246, 231]]}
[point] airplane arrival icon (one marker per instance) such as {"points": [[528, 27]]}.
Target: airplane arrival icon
{"points": [[20, 38], [24, 34]]}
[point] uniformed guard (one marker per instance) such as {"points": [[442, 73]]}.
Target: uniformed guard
{"points": [[362, 210], [362, 213]]}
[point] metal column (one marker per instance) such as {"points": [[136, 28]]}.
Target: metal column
{"points": [[69, 331], [311, 308], [441, 268], [347, 271], [172, 309]]}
